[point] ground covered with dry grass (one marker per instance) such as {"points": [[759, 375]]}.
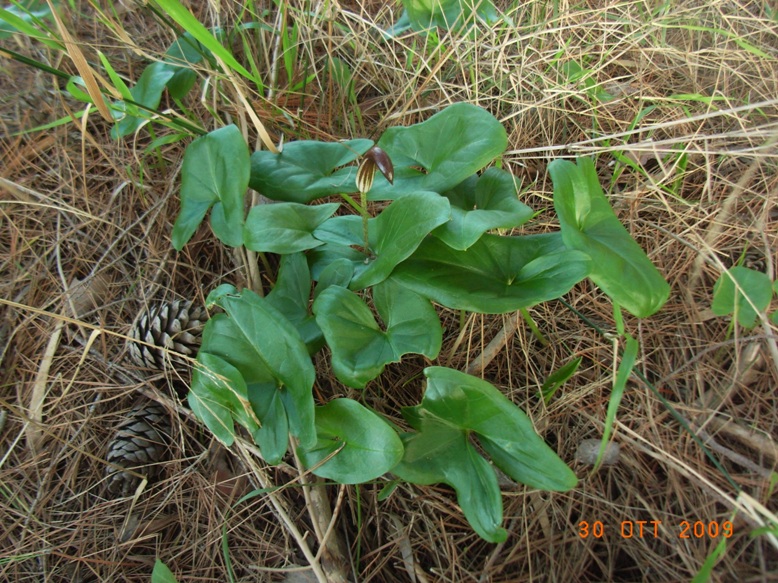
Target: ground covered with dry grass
{"points": [[677, 102]]}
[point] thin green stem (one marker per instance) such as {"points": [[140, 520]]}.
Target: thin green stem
{"points": [[363, 200], [352, 203]]}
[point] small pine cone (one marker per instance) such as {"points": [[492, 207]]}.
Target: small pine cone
{"points": [[141, 443], [172, 328]]}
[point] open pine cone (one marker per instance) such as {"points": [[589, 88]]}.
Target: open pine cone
{"points": [[141, 444], [172, 329]]}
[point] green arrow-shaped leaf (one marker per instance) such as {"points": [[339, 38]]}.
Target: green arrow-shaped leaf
{"points": [[496, 274], [147, 91], [480, 204], [219, 395], [184, 52], [264, 347], [285, 227], [440, 453], [743, 291], [619, 265], [393, 236], [273, 437], [504, 430], [215, 172], [307, 170], [360, 349], [364, 445], [291, 295], [441, 152], [449, 14], [456, 405]]}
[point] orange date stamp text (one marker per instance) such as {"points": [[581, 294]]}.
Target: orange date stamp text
{"points": [[683, 529]]}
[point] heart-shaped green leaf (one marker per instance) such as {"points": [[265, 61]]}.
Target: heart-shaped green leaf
{"points": [[393, 236], [504, 430], [219, 395], [743, 291], [148, 92], [364, 445], [291, 295], [285, 227], [449, 14], [496, 274], [440, 453], [456, 405], [184, 52], [441, 152], [360, 349], [265, 347], [479, 204], [619, 265], [306, 170], [215, 172]]}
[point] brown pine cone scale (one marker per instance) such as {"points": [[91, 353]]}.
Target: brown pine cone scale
{"points": [[141, 444], [172, 329]]}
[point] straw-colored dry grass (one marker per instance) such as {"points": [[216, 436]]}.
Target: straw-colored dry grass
{"points": [[701, 80]]}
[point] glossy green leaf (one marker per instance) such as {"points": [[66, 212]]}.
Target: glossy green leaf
{"points": [[181, 82], [393, 235], [216, 293], [360, 349], [291, 296], [307, 170], [496, 274], [320, 259], [148, 92], [449, 14], [619, 265], [285, 227], [219, 395], [339, 272], [744, 292], [479, 204], [440, 453], [438, 154], [265, 347], [215, 172], [183, 53], [364, 445], [273, 436], [161, 573], [504, 431]]}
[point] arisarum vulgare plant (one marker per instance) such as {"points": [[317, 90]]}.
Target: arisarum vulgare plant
{"points": [[434, 243]]}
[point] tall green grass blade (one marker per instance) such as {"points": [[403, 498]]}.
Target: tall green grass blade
{"points": [[6, 52], [705, 572], [625, 369], [188, 22], [117, 81], [20, 21], [725, 33]]}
